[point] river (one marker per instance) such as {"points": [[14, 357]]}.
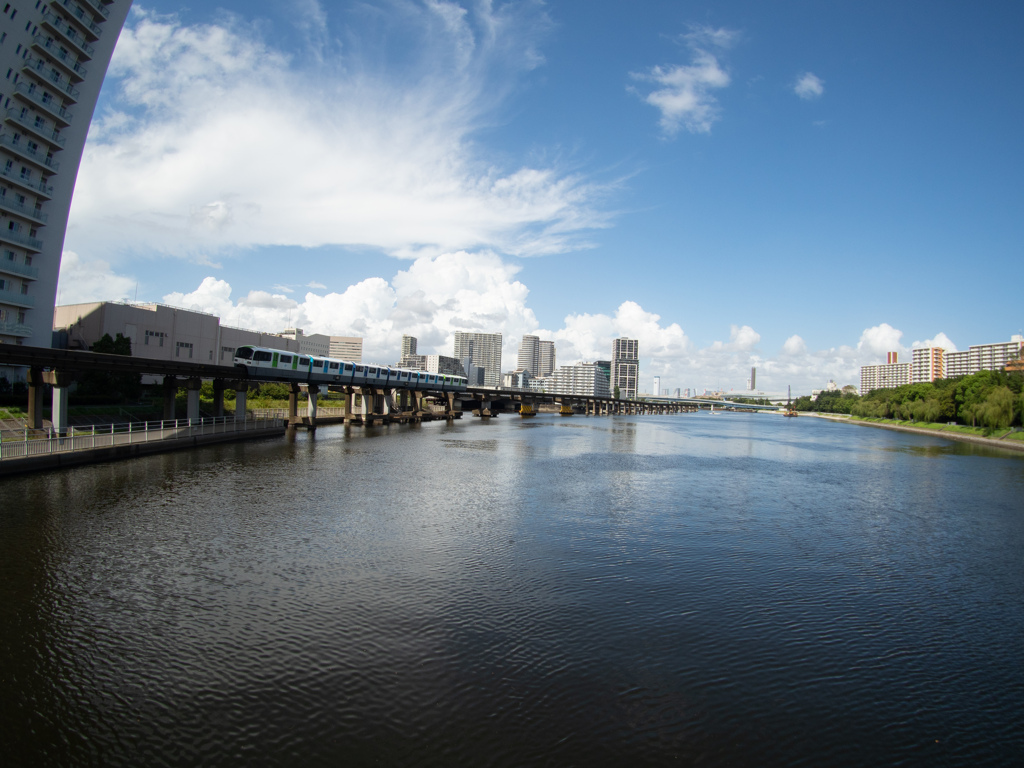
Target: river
{"points": [[735, 589]]}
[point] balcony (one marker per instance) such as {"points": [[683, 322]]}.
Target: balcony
{"points": [[80, 17], [15, 329], [40, 70], [53, 138], [96, 7], [33, 95], [17, 299], [21, 209], [34, 156], [21, 270], [63, 59], [24, 241], [69, 34], [39, 189]]}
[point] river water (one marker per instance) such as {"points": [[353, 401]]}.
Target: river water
{"points": [[734, 589]]}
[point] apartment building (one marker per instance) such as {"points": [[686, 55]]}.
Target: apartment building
{"points": [[482, 350], [625, 367], [53, 58]]}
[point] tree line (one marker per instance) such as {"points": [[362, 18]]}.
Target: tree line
{"points": [[989, 399]]}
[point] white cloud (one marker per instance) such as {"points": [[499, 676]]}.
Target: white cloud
{"points": [[881, 339], [215, 140], [683, 92], [940, 340], [794, 346], [809, 86], [82, 281]]}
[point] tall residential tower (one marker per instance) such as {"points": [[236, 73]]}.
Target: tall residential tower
{"points": [[625, 366], [53, 56], [483, 350]]}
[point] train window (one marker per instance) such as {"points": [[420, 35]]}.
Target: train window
{"points": [[359, 369], [303, 361], [243, 352], [286, 359], [261, 356], [333, 366]]}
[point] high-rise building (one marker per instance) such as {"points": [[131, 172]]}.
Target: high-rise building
{"points": [[889, 376], [753, 380], [546, 358], [656, 389], [625, 366], [983, 357], [529, 355], [536, 356], [483, 351], [54, 55], [927, 365], [408, 345], [585, 379]]}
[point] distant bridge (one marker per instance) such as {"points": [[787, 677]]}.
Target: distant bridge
{"points": [[60, 367]]}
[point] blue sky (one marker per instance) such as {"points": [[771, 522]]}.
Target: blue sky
{"points": [[798, 186]]}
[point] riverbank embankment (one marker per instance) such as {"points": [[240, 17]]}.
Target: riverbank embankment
{"points": [[992, 442]]}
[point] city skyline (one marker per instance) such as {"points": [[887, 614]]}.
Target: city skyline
{"points": [[736, 188]]}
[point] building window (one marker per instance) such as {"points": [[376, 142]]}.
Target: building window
{"points": [[158, 337], [181, 346]]}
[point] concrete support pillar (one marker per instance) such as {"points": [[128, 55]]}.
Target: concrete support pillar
{"points": [[170, 393], [449, 410], [193, 386], [241, 391], [311, 405], [349, 394], [60, 381], [366, 399], [386, 403], [35, 398], [293, 402], [218, 397]]}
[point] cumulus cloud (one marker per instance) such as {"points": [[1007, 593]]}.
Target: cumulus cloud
{"points": [[809, 86], [794, 346], [940, 340], [84, 280], [212, 140], [683, 93]]}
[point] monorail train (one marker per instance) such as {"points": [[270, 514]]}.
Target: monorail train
{"points": [[279, 365]]}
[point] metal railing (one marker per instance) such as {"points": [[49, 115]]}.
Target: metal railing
{"points": [[40, 443]]}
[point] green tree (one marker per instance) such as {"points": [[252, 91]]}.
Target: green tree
{"points": [[113, 386], [997, 410]]}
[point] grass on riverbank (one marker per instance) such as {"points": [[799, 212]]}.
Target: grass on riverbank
{"points": [[999, 434]]}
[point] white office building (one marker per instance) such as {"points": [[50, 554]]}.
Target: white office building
{"points": [[53, 57]]}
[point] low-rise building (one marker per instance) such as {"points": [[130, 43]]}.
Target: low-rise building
{"points": [[159, 332]]}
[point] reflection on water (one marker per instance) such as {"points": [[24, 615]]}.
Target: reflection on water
{"points": [[742, 590]]}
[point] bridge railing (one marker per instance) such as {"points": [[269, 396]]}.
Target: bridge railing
{"points": [[39, 442]]}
